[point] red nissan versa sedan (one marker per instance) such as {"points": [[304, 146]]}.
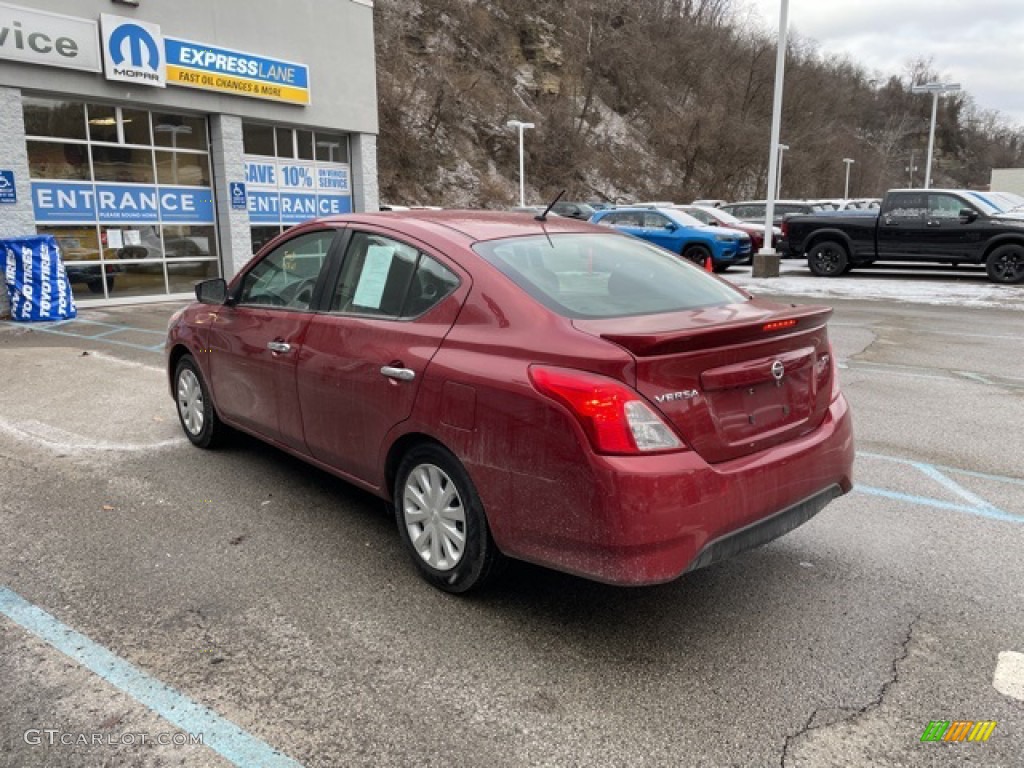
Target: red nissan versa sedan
{"points": [[551, 391]]}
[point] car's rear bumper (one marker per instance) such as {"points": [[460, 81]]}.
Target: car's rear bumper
{"points": [[649, 519]]}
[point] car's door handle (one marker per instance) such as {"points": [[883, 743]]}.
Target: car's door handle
{"points": [[401, 374], [279, 346]]}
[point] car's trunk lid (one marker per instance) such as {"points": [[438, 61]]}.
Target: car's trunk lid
{"points": [[732, 379]]}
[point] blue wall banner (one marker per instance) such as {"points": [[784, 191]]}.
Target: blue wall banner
{"points": [[77, 202], [291, 191]]}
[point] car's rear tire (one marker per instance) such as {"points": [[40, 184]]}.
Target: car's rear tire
{"points": [[698, 254], [442, 522], [1006, 264], [828, 259], [195, 407]]}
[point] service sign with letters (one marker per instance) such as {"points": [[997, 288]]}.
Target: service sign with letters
{"points": [[211, 68], [71, 202], [38, 37], [283, 191], [133, 51]]}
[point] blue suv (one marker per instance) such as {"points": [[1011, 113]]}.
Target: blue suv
{"points": [[681, 233]]}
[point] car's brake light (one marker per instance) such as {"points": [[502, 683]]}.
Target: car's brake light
{"points": [[778, 325], [835, 373], [615, 417], [784, 228]]}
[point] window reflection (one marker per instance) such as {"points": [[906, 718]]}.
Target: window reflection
{"points": [[52, 117], [102, 123], [257, 139], [182, 168], [179, 131], [52, 160], [122, 164]]}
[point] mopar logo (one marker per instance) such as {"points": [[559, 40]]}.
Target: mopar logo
{"points": [[134, 51], [136, 44]]}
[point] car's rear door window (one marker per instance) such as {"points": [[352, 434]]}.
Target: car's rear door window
{"points": [[383, 277], [604, 275]]}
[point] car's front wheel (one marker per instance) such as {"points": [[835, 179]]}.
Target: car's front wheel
{"points": [[828, 259], [195, 408], [442, 522], [1006, 264], [698, 254]]}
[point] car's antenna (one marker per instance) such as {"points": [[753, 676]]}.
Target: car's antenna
{"points": [[544, 216]]}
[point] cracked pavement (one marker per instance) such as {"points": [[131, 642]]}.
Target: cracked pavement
{"points": [[281, 599]]}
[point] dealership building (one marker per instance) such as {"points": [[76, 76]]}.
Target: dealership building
{"points": [[163, 143]]}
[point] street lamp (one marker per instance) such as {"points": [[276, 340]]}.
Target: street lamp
{"points": [[911, 169], [522, 179], [936, 90], [330, 146], [766, 261], [846, 191], [174, 130], [778, 179]]}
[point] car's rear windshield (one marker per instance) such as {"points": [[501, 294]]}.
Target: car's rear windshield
{"points": [[605, 275]]}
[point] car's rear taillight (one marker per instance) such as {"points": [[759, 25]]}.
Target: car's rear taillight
{"points": [[615, 417], [784, 228], [835, 373]]}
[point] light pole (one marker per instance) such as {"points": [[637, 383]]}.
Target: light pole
{"points": [[522, 178], [766, 261], [778, 178], [846, 189], [174, 130], [330, 146], [911, 168], [936, 90]]}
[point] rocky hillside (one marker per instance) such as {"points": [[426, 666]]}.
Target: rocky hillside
{"points": [[644, 99]]}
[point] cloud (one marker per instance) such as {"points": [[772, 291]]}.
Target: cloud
{"points": [[975, 44]]}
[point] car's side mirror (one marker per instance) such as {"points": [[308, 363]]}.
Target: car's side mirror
{"points": [[212, 291], [671, 227], [968, 215], [713, 223]]}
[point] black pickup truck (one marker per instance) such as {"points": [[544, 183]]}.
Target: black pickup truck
{"points": [[912, 225]]}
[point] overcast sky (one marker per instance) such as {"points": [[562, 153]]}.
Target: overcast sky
{"points": [[977, 43]]}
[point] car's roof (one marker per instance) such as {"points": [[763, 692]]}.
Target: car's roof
{"points": [[470, 225]]}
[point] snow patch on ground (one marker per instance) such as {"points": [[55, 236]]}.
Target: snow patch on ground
{"points": [[933, 288]]}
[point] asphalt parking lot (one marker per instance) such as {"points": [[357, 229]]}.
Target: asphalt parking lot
{"points": [[154, 596]]}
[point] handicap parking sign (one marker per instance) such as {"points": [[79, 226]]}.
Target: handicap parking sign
{"points": [[8, 194], [237, 195]]}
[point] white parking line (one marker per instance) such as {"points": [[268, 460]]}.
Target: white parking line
{"points": [[1009, 675], [61, 441]]}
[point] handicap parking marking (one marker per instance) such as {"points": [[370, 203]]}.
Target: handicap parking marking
{"points": [[225, 738], [104, 332], [971, 503]]}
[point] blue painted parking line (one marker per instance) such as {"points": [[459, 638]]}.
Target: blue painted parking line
{"points": [[103, 336], [974, 504], [222, 736]]}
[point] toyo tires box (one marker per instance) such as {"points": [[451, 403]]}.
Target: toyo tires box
{"points": [[36, 281]]}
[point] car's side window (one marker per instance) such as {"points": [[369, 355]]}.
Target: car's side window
{"points": [[912, 205], [383, 277], [286, 276], [655, 221], [945, 206]]}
